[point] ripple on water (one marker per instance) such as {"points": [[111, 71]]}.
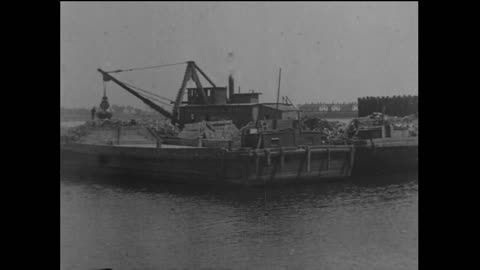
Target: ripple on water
{"points": [[339, 225]]}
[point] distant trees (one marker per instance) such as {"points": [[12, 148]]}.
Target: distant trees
{"points": [[119, 112]]}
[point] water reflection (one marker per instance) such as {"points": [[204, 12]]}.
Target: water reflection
{"points": [[356, 223], [389, 187]]}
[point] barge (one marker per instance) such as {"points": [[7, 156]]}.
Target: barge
{"points": [[271, 147], [268, 157], [200, 165]]}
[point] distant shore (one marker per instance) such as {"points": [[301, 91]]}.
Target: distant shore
{"points": [[119, 112]]}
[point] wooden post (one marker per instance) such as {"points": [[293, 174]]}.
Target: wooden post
{"points": [[159, 144], [309, 154], [257, 162], [278, 91], [259, 142], [118, 134], [268, 157], [373, 146], [282, 157], [328, 159], [294, 138], [278, 96], [352, 158]]}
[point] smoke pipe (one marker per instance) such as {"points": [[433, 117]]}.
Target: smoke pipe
{"points": [[231, 89]]}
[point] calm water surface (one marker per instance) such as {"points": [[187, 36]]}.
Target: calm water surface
{"points": [[354, 224]]}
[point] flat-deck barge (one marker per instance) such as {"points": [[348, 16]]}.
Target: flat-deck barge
{"points": [[202, 165], [274, 150]]}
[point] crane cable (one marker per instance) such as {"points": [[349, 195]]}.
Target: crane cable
{"points": [[104, 88], [142, 68], [148, 92], [143, 90], [143, 95], [149, 97]]}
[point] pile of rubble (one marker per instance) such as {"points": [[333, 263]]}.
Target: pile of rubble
{"points": [[73, 134], [408, 123], [329, 128], [215, 130], [78, 133], [161, 127]]}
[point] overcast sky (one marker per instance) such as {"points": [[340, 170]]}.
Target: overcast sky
{"points": [[330, 51]]}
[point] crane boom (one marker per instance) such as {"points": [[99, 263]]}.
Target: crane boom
{"points": [[108, 77], [190, 74]]}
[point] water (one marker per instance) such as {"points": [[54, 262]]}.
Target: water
{"points": [[354, 224]]}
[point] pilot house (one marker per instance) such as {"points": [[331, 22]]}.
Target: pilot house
{"points": [[241, 108]]}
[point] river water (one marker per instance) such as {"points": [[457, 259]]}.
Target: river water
{"points": [[350, 224]]}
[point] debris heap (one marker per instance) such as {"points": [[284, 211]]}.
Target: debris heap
{"points": [[105, 131], [332, 129], [215, 130], [408, 123]]}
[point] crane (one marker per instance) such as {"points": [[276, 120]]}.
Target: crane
{"points": [[174, 116]]}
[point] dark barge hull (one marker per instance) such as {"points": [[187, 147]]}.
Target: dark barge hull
{"points": [[253, 167], [386, 156], [208, 165]]}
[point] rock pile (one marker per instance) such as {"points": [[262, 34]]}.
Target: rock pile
{"points": [[215, 130], [409, 122], [104, 130], [331, 129]]}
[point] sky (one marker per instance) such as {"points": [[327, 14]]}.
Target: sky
{"points": [[328, 51]]}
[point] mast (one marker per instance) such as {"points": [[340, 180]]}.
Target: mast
{"points": [[278, 91]]}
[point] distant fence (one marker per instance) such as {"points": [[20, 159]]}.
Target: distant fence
{"points": [[394, 106]]}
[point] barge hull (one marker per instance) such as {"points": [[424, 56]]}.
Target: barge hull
{"points": [[206, 165], [385, 156]]}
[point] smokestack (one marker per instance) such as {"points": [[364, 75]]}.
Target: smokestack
{"points": [[231, 89]]}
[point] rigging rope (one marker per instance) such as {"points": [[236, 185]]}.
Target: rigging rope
{"points": [[141, 68], [104, 88], [143, 95], [149, 97], [148, 92]]}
